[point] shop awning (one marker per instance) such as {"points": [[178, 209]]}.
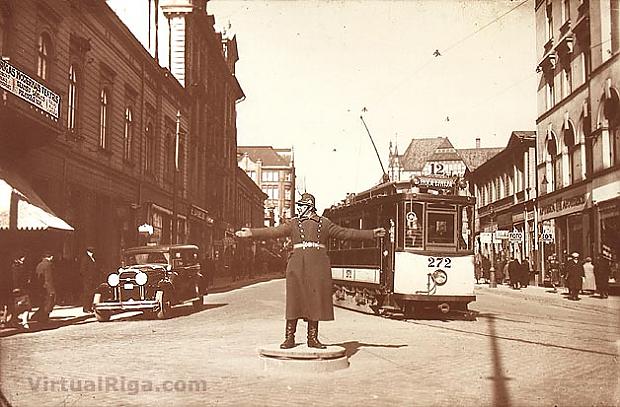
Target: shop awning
{"points": [[23, 209]]}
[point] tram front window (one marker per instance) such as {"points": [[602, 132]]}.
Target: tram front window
{"points": [[440, 228]]}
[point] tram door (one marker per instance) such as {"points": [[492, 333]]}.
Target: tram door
{"points": [[388, 220]]}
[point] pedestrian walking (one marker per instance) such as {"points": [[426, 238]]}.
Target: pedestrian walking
{"points": [[514, 269], [21, 290], [574, 276], [601, 272], [589, 280], [526, 270], [89, 270], [486, 268], [7, 311], [308, 272], [44, 274]]}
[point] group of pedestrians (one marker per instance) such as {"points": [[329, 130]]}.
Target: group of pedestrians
{"points": [[28, 294], [511, 271], [588, 277]]}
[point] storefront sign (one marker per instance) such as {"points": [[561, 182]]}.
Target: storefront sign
{"points": [[502, 235], [198, 213], [485, 237], [548, 233], [515, 237], [563, 206], [23, 86]]}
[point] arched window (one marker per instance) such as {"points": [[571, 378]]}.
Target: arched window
{"points": [[611, 110], [573, 153], [43, 58], [555, 163], [103, 118], [72, 99], [150, 148], [128, 134]]}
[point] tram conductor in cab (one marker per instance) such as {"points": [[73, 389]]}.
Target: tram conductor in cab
{"points": [[308, 272]]}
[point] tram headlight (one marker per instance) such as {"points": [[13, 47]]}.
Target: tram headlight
{"points": [[141, 278], [113, 280], [440, 277]]}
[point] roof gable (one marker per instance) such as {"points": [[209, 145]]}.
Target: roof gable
{"points": [[267, 154]]}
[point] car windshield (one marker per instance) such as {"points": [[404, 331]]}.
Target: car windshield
{"points": [[147, 258]]}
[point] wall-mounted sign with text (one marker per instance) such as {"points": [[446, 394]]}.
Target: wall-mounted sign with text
{"points": [[23, 86]]}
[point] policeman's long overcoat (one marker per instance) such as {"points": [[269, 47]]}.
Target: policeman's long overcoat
{"points": [[308, 272]]}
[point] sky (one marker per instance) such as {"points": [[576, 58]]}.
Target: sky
{"points": [[310, 68]]}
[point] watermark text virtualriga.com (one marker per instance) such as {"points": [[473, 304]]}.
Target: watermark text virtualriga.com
{"points": [[114, 384]]}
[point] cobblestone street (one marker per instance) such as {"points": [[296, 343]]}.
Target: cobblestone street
{"points": [[526, 348]]}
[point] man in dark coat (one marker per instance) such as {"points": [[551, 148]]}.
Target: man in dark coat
{"points": [[90, 277], [574, 275], [601, 275], [44, 274], [308, 272], [514, 269]]}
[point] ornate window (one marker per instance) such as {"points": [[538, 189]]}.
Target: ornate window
{"points": [[103, 118], [149, 161], [128, 135], [43, 58], [72, 99]]}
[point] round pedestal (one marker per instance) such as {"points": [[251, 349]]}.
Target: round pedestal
{"points": [[302, 359]]}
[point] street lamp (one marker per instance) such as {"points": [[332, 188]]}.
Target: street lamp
{"points": [[492, 283], [174, 179]]}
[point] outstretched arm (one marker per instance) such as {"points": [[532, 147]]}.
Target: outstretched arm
{"points": [[265, 233], [343, 233]]}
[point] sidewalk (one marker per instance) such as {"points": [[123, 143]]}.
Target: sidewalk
{"points": [[546, 294], [63, 315]]}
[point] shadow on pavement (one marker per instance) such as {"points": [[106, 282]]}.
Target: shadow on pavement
{"points": [[352, 347], [500, 389], [52, 323]]}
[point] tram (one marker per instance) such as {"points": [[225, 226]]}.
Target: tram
{"points": [[425, 262]]}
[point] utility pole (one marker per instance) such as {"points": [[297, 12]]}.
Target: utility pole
{"points": [[177, 135]]}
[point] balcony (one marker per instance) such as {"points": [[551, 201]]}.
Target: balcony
{"points": [[548, 62]]}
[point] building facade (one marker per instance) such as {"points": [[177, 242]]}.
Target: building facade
{"points": [[273, 170], [435, 156], [127, 141], [505, 191], [578, 126]]}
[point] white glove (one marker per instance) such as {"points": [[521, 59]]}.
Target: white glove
{"points": [[244, 232]]}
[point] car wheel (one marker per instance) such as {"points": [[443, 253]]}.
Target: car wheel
{"points": [[102, 316], [197, 304], [165, 306]]}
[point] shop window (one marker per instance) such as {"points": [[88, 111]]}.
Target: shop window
{"points": [[43, 56]]}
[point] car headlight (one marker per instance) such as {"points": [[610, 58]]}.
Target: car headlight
{"points": [[141, 278], [440, 277], [113, 280]]}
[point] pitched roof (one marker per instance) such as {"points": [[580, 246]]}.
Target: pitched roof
{"points": [[267, 154], [421, 150], [475, 157]]}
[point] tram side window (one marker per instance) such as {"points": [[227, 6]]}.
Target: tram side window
{"points": [[440, 228], [413, 225]]}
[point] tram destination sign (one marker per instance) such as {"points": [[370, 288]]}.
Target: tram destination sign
{"points": [[23, 86], [437, 182]]}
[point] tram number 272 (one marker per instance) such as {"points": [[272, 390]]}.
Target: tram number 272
{"points": [[438, 261]]}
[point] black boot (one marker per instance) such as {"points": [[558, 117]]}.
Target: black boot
{"points": [[313, 335], [289, 335]]}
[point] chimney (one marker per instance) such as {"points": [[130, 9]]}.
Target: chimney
{"points": [[477, 142]]}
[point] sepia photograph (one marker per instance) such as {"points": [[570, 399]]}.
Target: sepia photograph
{"points": [[310, 203]]}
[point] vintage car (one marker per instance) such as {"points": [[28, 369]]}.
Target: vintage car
{"points": [[152, 279]]}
